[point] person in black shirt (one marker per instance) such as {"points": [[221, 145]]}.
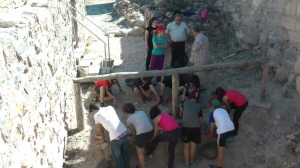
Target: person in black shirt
{"points": [[152, 25]]}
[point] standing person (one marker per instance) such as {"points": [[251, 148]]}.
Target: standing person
{"points": [[170, 132], [191, 113], [233, 100], [107, 118], [220, 119], [152, 25], [158, 53], [140, 126], [177, 32], [199, 54], [102, 87]]}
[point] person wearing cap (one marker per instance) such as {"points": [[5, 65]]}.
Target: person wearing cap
{"points": [[219, 119], [177, 32], [158, 53], [191, 113], [107, 118], [199, 53], [233, 100]]}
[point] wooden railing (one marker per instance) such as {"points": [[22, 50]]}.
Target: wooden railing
{"points": [[175, 80]]}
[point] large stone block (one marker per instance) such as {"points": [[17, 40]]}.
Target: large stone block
{"points": [[290, 7], [297, 66], [288, 23]]}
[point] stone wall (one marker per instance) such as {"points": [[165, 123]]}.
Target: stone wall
{"points": [[36, 71], [268, 27]]}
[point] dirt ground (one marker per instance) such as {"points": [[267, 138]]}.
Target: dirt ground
{"points": [[262, 137]]}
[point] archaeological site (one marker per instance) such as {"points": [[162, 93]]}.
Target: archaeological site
{"points": [[52, 52]]}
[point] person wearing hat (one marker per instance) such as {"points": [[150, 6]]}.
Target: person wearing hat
{"points": [[107, 118], [159, 40], [219, 119]]}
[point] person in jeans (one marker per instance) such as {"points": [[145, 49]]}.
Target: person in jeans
{"points": [[106, 118], [152, 25], [220, 119], [191, 113], [141, 127], [158, 53], [233, 100], [170, 132]]}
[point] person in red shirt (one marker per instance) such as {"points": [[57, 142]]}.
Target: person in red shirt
{"points": [[102, 87], [233, 100]]}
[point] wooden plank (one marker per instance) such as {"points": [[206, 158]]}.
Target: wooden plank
{"points": [[184, 70], [78, 106], [264, 81], [175, 94]]}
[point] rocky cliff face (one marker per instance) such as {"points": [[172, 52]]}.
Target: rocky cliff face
{"points": [[36, 70]]}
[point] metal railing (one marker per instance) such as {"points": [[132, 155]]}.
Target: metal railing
{"points": [[106, 45]]}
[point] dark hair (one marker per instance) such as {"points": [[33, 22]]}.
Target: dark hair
{"points": [[195, 80], [177, 15], [128, 108], [154, 112], [94, 106], [196, 29], [220, 92], [151, 21]]}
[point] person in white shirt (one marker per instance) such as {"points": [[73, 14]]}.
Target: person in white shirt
{"points": [[107, 118], [177, 32], [220, 119], [140, 126]]}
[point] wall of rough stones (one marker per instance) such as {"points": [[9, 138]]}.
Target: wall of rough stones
{"points": [[268, 27], [36, 71]]}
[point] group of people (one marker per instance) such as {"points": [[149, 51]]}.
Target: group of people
{"points": [[156, 126], [147, 135]]}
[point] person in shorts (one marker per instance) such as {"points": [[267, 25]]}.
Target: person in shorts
{"points": [[103, 88], [219, 119], [191, 113], [141, 88], [141, 127]]}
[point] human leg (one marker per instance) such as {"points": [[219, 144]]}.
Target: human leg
{"points": [[140, 152], [171, 150], [186, 152], [154, 62], [193, 149], [125, 154], [237, 115], [149, 53], [220, 156], [174, 54], [116, 153], [181, 53], [101, 95]]}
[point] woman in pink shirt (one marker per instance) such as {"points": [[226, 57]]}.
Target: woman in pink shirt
{"points": [[170, 132], [233, 100]]}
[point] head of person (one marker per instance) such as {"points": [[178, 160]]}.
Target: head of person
{"points": [[196, 30], [154, 112], [215, 104], [177, 19], [220, 92], [94, 107], [160, 30], [195, 80], [128, 108], [153, 22]]}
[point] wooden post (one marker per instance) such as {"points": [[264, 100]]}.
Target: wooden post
{"points": [[78, 106], [264, 80], [175, 96]]}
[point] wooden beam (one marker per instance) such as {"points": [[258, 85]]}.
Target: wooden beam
{"points": [[184, 70], [78, 106], [175, 94], [264, 81]]}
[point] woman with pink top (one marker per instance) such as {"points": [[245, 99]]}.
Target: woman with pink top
{"points": [[170, 132], [233, 100]]}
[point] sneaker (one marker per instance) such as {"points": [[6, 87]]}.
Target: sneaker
{"points": [[195, 162], [187, 165], [230, 139]]}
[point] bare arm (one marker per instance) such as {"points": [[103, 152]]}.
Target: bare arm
{"points": [[155, 122], [181, 111], [212, 131], [101, 137], [225, 100], [107, 91], [132, 129], [154, 91], [160, 46], [143, 92], [119, 86]]}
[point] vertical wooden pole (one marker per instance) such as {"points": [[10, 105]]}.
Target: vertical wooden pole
{"points": [[78, 106], [264, 80], [175, 96]]}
